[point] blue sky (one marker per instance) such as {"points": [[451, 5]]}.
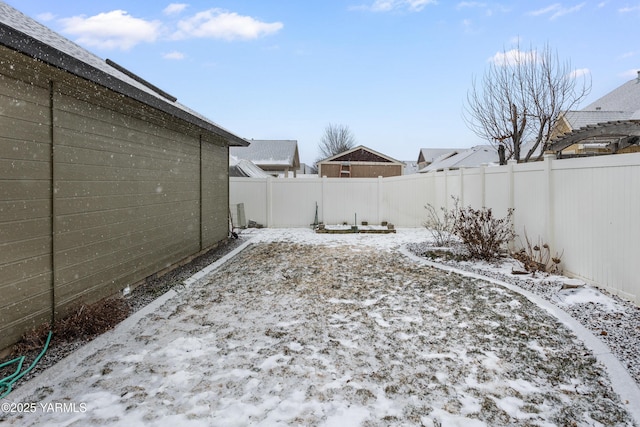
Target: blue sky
{"points": [[396, 72]]}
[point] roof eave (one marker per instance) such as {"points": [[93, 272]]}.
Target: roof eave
{"points": [[27, 45]]}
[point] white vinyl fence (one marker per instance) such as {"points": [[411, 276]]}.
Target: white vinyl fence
{"points": [[587, 208]]}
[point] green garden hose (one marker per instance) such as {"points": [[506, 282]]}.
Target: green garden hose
{"points": [[6, 383]]}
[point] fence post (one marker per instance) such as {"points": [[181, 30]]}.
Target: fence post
{"points": [[446, 188], [379, 219], [510, 166], [269, 201], [549, 211], [483, 189], [323, 198], [461, 186]]}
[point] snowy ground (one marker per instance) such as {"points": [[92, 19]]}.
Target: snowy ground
{"points": [[331, 330]]}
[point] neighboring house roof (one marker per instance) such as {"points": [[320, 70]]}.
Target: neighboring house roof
{"points": [[361, 154], [245, 168], [473, 157], [269, 153], [622, 103], [578, 119], [27, 36], [429, 155], [623, 98]]}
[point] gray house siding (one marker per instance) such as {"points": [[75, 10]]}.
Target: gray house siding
{"points": [[25, 206], [99, 191], [215, 192]]}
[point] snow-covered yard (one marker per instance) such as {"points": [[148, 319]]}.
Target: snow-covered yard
{"points": [[332, 330]]}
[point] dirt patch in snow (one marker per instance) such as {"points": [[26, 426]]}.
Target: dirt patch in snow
{"points": [[288, 334]]}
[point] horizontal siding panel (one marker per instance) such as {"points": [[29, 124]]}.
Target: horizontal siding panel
{"points": [[73, 189], [129, 271], [22, 133], [24, 249], [24, 169], [79, 172], [16, 149], [24, 316], [17, 274], [132, 241], [16, 231], [24, 290], [20, 210], [80, 205], [27, 190], [114, 148], [88, 236], [121, 217]]}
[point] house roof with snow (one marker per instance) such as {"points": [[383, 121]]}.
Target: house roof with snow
{"points": [[270, 153], [25, 35], [429, 155], [473, 157]]}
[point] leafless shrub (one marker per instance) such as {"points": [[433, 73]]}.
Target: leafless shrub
{"points": [[442, 226], [537, 257], [483, 234]]}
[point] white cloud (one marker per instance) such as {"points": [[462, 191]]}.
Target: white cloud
{"points": [[174, 8], [629, 54], [579, 73], [390, 5], [174, 55], [46, 17], [111, 30], [630, 74], [469, 4], [629, 9], [556, 10], [220, 24], [513, 57]]}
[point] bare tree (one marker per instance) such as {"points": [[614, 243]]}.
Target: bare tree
{"points": [[336, 139], [520, 98]]}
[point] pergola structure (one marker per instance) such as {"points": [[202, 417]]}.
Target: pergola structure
{"points": [[611, 136]]}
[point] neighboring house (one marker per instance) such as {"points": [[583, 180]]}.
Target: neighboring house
{"points": [[276, 157], [471, 158], [305, 169], [105, 180], [622, 105], [429, 155], [360, 162], [410, 167]]}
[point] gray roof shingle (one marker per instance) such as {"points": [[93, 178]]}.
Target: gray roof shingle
{"points": [[623, 98]]}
